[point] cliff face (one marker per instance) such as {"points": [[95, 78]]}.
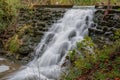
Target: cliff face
{"points": [[106, 28]]}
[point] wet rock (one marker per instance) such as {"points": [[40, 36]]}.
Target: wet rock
{"points": [[116, 17], [113, 29], [99, 27], [41, 24], [1, 44], [72, 34], [49, 37], [103, 23], [36, 39], [111, 23], [38, 33], [117, 25], [24, 50], [96, 31], [108, 33], [105, 29], [93, 25], [3, 52], [63, 49]]}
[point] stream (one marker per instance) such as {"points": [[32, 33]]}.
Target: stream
{"points": [[51, 51]]}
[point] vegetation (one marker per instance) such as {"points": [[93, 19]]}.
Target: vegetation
{"points": [[101, 65], [16, 4], [64, 2], [81, 2], [13, 44], [117, 34], [7, 13]]}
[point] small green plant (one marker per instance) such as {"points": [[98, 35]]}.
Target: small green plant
{"points": [[13, 44], [117, 34], [83, 60], [102, 64]]}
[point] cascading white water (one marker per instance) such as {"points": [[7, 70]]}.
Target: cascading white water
{"points": [[54, 46]]}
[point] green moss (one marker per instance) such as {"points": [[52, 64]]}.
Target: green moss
{"points": [[13, 44], [81, 2]]}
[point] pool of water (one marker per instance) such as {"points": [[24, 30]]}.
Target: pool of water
{"points": [[7, 67]]}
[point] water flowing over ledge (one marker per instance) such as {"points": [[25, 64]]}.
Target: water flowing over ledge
{"points": [[54, 46]]}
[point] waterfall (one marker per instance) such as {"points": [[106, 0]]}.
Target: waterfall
{"points": [[54, 46]]}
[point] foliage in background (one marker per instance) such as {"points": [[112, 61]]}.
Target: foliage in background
{"points": [[80, 2], [16, 4], [100, 65], [6, 14], [66, 2], [89, 2], [9, 10]]}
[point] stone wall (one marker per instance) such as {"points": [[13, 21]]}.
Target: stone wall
{"points": [[32, 24], [105, 27]]}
